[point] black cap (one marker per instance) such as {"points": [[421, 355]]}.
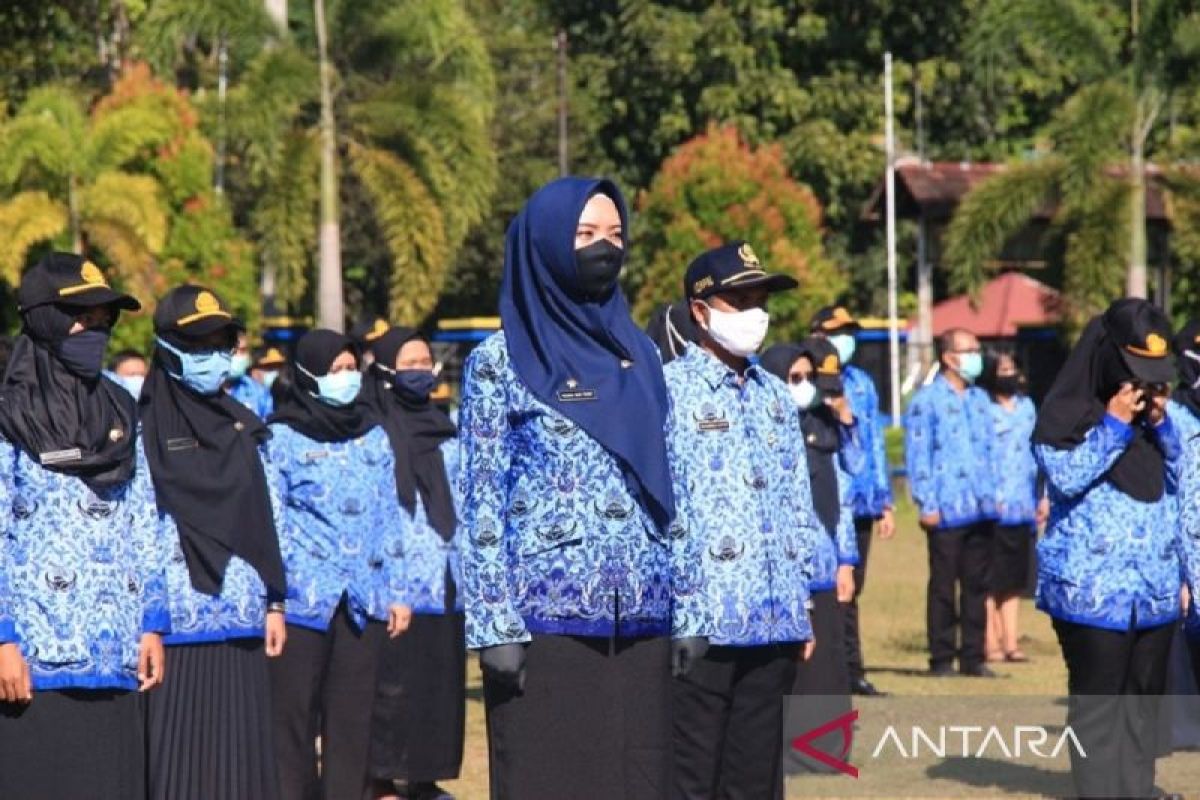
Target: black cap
{"points": [[827, 365], [729, 267], [832, 320], [369, 329], [1142, 334], [194, 311], [267, 357], [70, 280]]}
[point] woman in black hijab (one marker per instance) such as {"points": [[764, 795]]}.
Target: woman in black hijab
{"points": [[1109, 564], [420, 705], [344, 553], [82, 593], [219, 499]]}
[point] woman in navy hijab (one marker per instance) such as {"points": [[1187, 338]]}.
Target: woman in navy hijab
{"points": [[573, 575]]}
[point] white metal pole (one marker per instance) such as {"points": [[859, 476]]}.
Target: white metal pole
{"points": [[890, 187]]}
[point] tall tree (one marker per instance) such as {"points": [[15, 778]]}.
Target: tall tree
{"points": [[329, 263]]}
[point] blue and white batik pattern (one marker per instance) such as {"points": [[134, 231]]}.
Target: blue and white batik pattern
{"points": [[253, 395], [1016, 470], [871, 487], [427, 555]]}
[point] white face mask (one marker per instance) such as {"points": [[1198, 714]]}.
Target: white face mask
{"points": [[804, 393], [740, 332]]}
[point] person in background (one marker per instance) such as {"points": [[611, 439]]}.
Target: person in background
{"points": [[247, 391], [342, 549], [575, 578], [871, 487], [128, 369], [948, 447], [738, 456], [365, 332], [813, 373], [1184, 410], [219, 503], [672, 329], [83, 600], [1111, 562], [1020, 505], [420, 707], [267, 362]]}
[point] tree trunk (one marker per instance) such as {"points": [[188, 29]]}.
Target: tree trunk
{"points": [[329, 283], [1136, 286], [277, 10], [73, 214]]}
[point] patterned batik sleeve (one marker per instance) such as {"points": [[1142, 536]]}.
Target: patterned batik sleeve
{"points": [[691, 610], [151, 534], [275, 489], [875, 444], [395, 525], [1171, 443], [852, 456], [484, 461], [8, 624], [810, 528], [1072, 472], [1189, 523], [846, 540], [918, 454]]}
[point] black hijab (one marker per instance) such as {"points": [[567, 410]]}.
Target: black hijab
{"points": [[203, 455], [1079, 397], [298, 407], [818, 425], [416, 429], [672, 329], [86, 428], [1187, 361]]}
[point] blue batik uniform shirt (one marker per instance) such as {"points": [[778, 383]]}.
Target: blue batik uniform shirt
{"points": [[345, 530], [82, 574], [840, 547], [1016, 470], [553, 540], [427, 556], [253, 395], [739, 461], [870, 491], [948, 449], [1105, 555]]}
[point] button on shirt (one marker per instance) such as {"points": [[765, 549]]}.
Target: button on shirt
{"points": [[553, 541], [82, 574], [1016, 470], [344, 526], [738, 456], [870, 487], [948, 449], [1106, 555]]}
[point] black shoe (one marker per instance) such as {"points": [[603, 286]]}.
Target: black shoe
{"points": [[864, 687], [941, 671], [979, 671]]}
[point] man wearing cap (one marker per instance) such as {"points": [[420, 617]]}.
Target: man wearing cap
{"points": [[947, 435], [243, 388], [871, 487], [268, 361], [738, 459]]}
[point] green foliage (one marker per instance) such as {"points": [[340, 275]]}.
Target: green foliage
{"points": [[715, 189]]}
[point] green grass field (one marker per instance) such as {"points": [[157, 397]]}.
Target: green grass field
{"points": [[893, 614]]}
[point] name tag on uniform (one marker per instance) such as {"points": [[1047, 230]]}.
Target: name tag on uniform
{"points": [[316, 455], [60, 456], [576, 395], [186, 443], [708, 425]]}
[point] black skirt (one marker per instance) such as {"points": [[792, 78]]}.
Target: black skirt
{"points": [[594, 721], [210, 725], [73, 743], [418, 722], [1008, 564], [824, 680]]}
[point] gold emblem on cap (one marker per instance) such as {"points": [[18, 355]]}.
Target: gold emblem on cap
{"points": [[702, 284], [90, 273], [842, 315], [1156, 344], [207, 303], [273, 355], [746, 254], [380, 327], [830, 364]]}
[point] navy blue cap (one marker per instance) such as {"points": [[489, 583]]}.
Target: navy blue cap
{"points": [[729, 267]]}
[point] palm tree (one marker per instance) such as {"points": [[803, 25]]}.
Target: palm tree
{"points": [[1092, 170], [64, 174]]}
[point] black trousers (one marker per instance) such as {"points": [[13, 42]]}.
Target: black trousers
{"points": [[324, 684], [594, 721], [728, 720], [863, 528], [1115, 680], [958, 572]]}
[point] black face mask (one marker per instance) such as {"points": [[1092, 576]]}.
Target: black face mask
{"points": [[597, 267], [414, 385], [1008, 385], [83, 353]]}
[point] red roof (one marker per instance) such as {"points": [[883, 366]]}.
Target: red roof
{"points": [[1010, 301]]}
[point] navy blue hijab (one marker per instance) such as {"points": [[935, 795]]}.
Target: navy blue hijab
{"points": [[585, 358]]}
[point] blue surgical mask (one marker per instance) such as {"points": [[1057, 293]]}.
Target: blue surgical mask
{"points": [[336, 388], [204, 373], [845, 344], [132, 383], [269, 376], [970, 366], [239, 365]]}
